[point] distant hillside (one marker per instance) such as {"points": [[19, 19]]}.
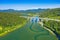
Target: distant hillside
{"points": [[23, 11], [51, 13]]}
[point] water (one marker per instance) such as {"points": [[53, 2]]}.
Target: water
{"points": [[30, 31]]}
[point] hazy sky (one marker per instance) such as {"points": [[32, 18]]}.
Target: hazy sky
{"points": [[28, 4]]}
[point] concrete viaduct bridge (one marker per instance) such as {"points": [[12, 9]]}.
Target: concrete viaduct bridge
{"points": [[39, 19]]}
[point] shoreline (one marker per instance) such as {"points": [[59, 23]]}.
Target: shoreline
{"points": [[50, 31]]}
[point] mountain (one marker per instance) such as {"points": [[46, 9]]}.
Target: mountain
{"points": [[23, 11], [8, 10]]}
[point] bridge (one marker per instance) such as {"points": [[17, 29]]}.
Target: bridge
{"points": [[39, 19]]}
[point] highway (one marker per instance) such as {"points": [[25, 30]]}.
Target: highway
{"points": [[43, 18]]}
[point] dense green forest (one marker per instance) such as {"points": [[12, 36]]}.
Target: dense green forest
{"points": [[51, 13], [8, 20]]}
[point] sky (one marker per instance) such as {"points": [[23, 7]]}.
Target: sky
{"points": [[28, 4]]}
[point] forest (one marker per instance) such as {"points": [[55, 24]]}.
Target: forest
{"points": [[8, 21]]}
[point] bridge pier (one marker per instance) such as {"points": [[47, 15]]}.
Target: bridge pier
{"points": [[34, 19]]}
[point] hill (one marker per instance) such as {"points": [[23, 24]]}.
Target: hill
{"points": [[51, 13], [9, 21], [23, 11]]}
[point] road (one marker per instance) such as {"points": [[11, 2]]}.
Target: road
{"points": [[43, 18], [50, 19], [30, 31]]}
